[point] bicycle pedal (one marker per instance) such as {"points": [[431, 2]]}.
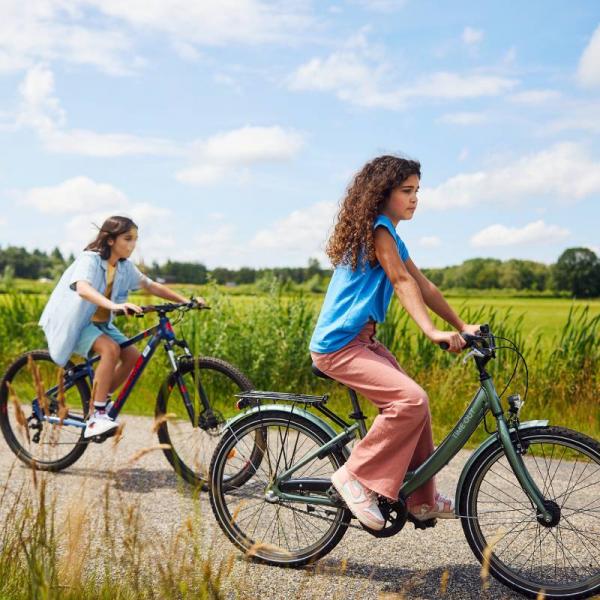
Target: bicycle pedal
{"points": [[333, 495], [422, 524], [102, 437]]}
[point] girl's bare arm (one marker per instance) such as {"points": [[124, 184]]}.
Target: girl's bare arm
{"points": [[434, 298], [408, 291], [91, 294], [163, 291]]}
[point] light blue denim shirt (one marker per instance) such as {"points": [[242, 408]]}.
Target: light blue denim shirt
{"points": [[67, 313]]}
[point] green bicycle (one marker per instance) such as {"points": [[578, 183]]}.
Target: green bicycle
{"points": [[528, 497]]}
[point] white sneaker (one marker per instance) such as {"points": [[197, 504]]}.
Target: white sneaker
{"points": [[98, 424], [361, 501]]}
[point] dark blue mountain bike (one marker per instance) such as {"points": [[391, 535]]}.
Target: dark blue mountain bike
{"points": [[43, 407]]}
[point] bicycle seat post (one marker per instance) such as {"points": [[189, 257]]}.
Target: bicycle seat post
{"points": [[357, 413]]}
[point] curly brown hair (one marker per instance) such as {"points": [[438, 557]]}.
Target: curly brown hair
{"points": [[366, 197]]}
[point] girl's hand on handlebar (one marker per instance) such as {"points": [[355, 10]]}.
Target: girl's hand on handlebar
{"points": [[454, 340], [472, 329], [126, 307]]}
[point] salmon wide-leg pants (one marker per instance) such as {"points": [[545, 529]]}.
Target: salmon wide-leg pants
{"points": [[400, 437]]}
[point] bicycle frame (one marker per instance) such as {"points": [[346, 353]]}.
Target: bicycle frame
{"points": [[162, 332], [486, 399]]}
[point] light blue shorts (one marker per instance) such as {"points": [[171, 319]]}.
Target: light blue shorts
{"points": [[92, 331]]}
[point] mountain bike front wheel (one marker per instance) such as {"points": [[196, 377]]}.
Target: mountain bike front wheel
{"points": [[211, 385], [556, 560], [30, 401]]}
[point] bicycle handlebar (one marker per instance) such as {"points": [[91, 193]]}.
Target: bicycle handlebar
{"points": [[483, 342], [164, 308]]}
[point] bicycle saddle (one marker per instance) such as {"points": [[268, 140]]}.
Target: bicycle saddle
{"points": [[319, 373]]}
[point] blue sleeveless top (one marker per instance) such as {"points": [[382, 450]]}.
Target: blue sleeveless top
{"points": [[353, 298]]}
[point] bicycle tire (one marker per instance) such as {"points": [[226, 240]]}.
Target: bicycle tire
{"points": [[12, 437], [229, 517], [194, 469], [574, 546]]}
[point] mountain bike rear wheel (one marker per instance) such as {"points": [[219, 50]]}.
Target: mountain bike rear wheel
{"points": [[37, 442]]}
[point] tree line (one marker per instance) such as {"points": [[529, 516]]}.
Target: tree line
{"points": [[576, 271]]}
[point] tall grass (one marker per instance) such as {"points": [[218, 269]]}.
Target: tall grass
{"points": [[101, 548], [267, 337]]}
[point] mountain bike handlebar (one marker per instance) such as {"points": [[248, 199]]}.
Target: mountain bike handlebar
{"points": [[164, 308]]}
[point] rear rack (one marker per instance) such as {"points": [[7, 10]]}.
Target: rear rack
{"points": [[281, 397]]}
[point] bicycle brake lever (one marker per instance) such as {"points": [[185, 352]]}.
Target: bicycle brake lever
{"points": [[473, 352]]}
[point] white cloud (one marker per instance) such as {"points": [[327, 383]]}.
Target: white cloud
{"points": [[384, 6], [41, 110], [213, 22], [211, 159], [535, 97], [588, 71], [75, 195], [463, 118], [219, 155], [583, 116], [87, 203], [69, 30], [359, 74], [53, 30], [533, 233], [472, 36], [430, 241], [91, 143], [81, 194], [563, 171], [303, 231], [288, 241], [221, 246]]}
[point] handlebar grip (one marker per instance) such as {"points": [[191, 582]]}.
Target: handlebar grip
{"points": [[444, 345]]}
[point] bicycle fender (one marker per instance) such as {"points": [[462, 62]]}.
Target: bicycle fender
{"points": [[320, 423], [485, 445]]}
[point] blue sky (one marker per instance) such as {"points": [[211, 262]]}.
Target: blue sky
{"points": [[230, 129]]}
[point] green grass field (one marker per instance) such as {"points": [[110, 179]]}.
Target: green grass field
{"points": [[267, 336]]}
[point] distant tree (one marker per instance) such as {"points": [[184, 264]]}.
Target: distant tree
{"points": [[578, 271]]}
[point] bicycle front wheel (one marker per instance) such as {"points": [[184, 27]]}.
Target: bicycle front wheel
{"points": [[211, 385], [267, 529], [32, 380], [561, 559]]}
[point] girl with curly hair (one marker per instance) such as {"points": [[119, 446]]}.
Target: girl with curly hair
{"points": [[371, 263]]}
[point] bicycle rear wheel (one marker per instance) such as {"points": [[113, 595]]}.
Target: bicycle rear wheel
{"points": [[191, 444], [560, 560], [266, 529], [36, 441]]}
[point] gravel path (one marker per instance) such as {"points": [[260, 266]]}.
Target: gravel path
{"points": [[412, 564]]}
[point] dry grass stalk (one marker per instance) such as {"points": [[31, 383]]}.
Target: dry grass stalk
{"points": [[19, 414], [39, 385], [143, 451], [487, 553], [160, 420]]}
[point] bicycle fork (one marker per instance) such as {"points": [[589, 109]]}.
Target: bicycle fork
{"points": [[536, 497]]}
